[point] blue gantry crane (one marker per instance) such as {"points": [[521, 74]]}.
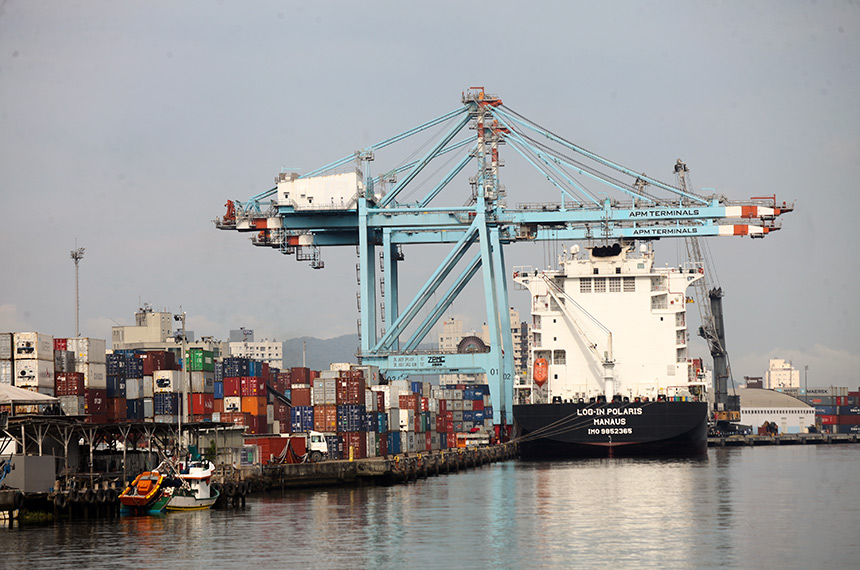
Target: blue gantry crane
{"points": [[344, 204]]}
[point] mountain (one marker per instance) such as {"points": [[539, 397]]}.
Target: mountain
{"points": [[320, 353]]}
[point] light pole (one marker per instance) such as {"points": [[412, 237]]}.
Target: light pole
{"points": [[184, 399], [77, 256]]}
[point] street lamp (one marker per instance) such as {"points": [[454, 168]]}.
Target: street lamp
{"points": [[184, 403]]}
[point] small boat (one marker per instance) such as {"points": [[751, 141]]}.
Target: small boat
{"points": [[195, 491], [149, 493]]}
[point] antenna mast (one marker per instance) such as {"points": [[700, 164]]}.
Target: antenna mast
{"points": [[77, 256]]}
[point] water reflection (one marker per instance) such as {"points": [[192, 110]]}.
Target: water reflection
{"points": [[739, 508]]}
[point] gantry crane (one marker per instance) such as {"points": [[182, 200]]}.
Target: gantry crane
{"points": [[344, 204]]}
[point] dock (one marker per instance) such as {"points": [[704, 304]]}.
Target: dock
{"points": [[783, 439]]}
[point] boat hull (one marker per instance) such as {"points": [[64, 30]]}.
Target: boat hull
{"points": [[181, 502], [660, 428]]}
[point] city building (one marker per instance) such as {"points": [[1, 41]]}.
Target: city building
{"points": [[270, 351], [154, 330], [781, 374]]}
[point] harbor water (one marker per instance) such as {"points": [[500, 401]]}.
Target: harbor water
{"points": [[767, 507]]}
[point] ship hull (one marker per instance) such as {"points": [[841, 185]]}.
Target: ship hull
{"points": [[670, 429]]}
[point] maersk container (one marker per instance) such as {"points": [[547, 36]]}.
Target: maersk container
{"points": [[166, 404], [91, 350], [32, 345], [95, 377]]}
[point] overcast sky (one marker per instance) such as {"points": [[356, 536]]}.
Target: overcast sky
{"points": [[127, 125]]}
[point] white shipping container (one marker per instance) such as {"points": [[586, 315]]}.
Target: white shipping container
{"points": [[270, 414], [95, 375], [434, 441], [216, 416], [133, 388], [167, 381], [148, 386], [455, 405], [386, 390], [148, 408], [34, 373], [371, 444], [73, 405], [370, 403], [203, 382], [233, 403], [276, 424], [457, 415], [6, 346], [456, 394], [339, 366], [467, 405], [7, 372], [64, 361], [324, 392], [172, 419], [329, 374], [90, 350], [32, 345], [412, 441]]}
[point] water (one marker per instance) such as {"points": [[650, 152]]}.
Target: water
{"points": [[766, 507]]}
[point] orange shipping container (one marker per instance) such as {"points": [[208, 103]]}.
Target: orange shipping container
{"points": [[254, 405], [325, 418]]}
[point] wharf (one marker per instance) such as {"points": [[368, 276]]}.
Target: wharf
{"points": [[783, 439], [382, 470]]}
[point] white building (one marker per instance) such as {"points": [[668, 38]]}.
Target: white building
{"points": [[781, 374], [156, 331], [765, 406], [454, 339], [271, 351]]}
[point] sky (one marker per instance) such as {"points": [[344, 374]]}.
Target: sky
{"points": [[125, 127]]}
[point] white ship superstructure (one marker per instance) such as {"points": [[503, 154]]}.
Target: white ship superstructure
{"points": [[608, 323]]}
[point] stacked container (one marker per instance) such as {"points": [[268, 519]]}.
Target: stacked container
{"points": [[33, 365]]}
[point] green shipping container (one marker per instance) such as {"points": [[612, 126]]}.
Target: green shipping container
{"points": [[201, 360]]}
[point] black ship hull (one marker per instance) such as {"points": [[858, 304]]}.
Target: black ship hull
{"points": [[662, 428]]}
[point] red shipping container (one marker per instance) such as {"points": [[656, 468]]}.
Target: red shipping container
{"points": [[116, 409], [217, 405], [350, 390], [232, 386], [314, 374], [300, 396], [61, 344], [383, 445], [256, 424], [829, 420], [253, 386], [408, 402], [357, 440], [849, 420], [449, 416], [325, 418], [300, 375], [477, 405], [443, 406], [96, 419], [429, 440], [282, 412], [440, 423], [202, 404], [95, 402], [254, 405], [264, 371], [69, 383], [380, 401], [417, 424], [201, 418], [449, 426]]}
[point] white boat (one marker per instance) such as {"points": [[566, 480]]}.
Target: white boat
{"points": [[196, 492]]}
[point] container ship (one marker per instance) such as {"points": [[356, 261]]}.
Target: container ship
{"points": [[610, 374]]}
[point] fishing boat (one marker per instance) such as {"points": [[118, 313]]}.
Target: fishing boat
{"points": [[195, 491], [149, 492]]}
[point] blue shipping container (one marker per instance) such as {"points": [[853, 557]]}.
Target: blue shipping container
{"points": [[234, 366], [488, 413], [382, 421], [855, 429], [115, 365], [350, 417], [848, 410], [165, 404], [116, 387], [393, 442], [301, 419], [219, 371], [826, 410], [134, 409], [335, 446], [134, 368], [443, 440], [417, 387], [219, 390]]}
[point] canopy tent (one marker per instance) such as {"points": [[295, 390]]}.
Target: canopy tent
{"points": [[14, 395]]}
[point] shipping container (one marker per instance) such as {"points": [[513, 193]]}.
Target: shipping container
{"points": [[350, 390], [232, 404], [218, 390], [324, 392], [350, 418], [166, 404], [253, 386], [116, 409], [115, 364], [203, 382], [73, 405], [148, 408], [89, 350], [64, 361], [232, 386], [300, 375], [134, 388], [217, 405], [828, 419], [853, 410], [95, 377], [95, 402], [148, 387], [200, 360], [6, 343], [69, 384], [201, 404], [134, 409], [850, 429], [393, 442], [33, 346], [300, 396], [157, 360], [115, 388], [31, 373], [254, 405], [354, 444], [7, 372], [335, 446], [167, 381], [325, 418], [301, 419]]}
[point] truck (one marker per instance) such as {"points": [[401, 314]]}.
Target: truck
{"points": [[310, 447]]}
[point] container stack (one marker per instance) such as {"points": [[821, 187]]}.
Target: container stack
{"points": [[201, 396], [33, 365], [245, 396], [80, 378], [7, 369]]}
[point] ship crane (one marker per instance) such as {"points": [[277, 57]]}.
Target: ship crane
{"points": [[408, 205]]}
